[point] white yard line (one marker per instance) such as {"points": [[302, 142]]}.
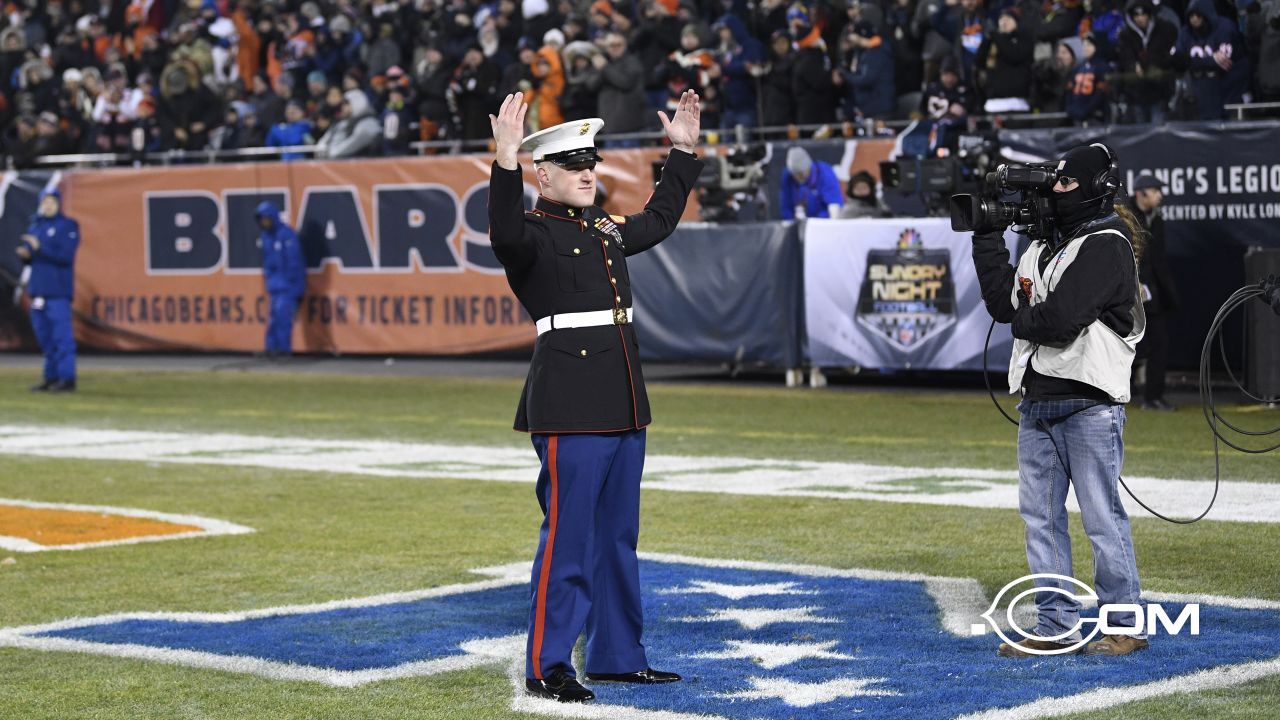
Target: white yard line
{"points": [[962, 487]]}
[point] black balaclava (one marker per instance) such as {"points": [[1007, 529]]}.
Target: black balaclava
{"points": [[1076, 207]]}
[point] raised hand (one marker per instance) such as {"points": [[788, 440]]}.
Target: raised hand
{"points": [[508, 130], [683, 129]]}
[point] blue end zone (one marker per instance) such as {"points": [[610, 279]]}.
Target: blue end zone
{"points": [[891, 628], [365, 638]]}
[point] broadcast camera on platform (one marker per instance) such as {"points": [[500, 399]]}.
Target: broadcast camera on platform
{"points": [[729, 187], [935, 179], [987, 211]]}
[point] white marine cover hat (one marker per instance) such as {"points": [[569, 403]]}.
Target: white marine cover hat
{"points": [[565, 143]]}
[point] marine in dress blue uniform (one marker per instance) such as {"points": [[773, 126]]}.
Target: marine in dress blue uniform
{"points": [[285, 272], [50, 246], [584, 400]]}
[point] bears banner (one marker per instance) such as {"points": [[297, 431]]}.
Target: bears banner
{"points": [[397, 251], [896, 293]]}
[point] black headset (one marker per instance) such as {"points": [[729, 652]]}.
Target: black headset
{"points": [[1107, 183]]}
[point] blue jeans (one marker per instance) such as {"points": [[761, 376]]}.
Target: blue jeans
{"points": [[52, 326], [1058, 446]]}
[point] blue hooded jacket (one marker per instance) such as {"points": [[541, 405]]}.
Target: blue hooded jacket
{"points": [[1211, 85], [283, 266], [738, 86], [53, 266]]}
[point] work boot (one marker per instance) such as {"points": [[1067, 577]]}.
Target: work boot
{"points": [[1007, 650], [63, 386], [42, 387], [1116, 645]]}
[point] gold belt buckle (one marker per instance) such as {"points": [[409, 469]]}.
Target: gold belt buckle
{"points": [[620, 316]]}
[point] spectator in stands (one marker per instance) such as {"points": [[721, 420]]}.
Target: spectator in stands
{"points": [[867, 76], [1086, 96], [1104, 21], [738, 54], [1145, 81], [578, 101], [908, 48], [399, 126], [811, 70], [20, 142], [38, 91], [433, 80], [114, 114], [188, 110], [473, 95], [1004, 62], [778, 99], [809, 188], [549, 71], [356, 132], [1052, 76], [294, 130], [862, 198], [657, 36], [147, 135], [618, 82], [75, 107], [266, 103], [945, 105], [693, 67], [385, 51], [1061, 20], [50, 139], [1269, 52], [965, 26], [1208, 50]]}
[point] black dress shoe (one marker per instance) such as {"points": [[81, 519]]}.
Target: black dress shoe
{"points": [[559, 687], [648, 676], [42, 387], [63, 386]]}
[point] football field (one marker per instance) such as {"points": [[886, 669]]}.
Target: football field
{"points": [[300, 545]]}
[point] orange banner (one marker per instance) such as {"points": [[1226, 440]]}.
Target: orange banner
{"points": [[397, 251]]}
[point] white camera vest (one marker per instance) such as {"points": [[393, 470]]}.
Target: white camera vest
{"points": [[1098, 356]]}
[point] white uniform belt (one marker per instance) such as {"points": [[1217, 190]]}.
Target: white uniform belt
{"points": [[593, 318]]}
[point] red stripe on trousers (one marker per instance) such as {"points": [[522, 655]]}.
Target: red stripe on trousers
{"points": [[552, 513]]}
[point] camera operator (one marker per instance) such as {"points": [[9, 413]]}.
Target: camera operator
{"points": [[1077, 318]]}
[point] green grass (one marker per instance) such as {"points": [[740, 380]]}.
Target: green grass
{"points": [[328, 536]]}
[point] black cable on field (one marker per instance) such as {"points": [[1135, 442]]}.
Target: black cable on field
{"points": [[1238, 299], [986, 375]]}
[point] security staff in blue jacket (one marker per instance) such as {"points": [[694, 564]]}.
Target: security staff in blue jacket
{"points": [[584, 401], [50, 246], [285, 273]]}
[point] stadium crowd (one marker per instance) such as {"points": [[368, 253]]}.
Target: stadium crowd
{"points": [[369, 77]]}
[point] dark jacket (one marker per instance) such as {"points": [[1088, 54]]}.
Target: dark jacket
{"points": [[811, 86], [869, 79], [283, 268], [1008, 72], [737, 86], [619, 87], [561, 259], [1153, 266], [1086, 96], [778, 102], [53, 266], [1195, 52], [1152, 51], [1098, 285]]}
